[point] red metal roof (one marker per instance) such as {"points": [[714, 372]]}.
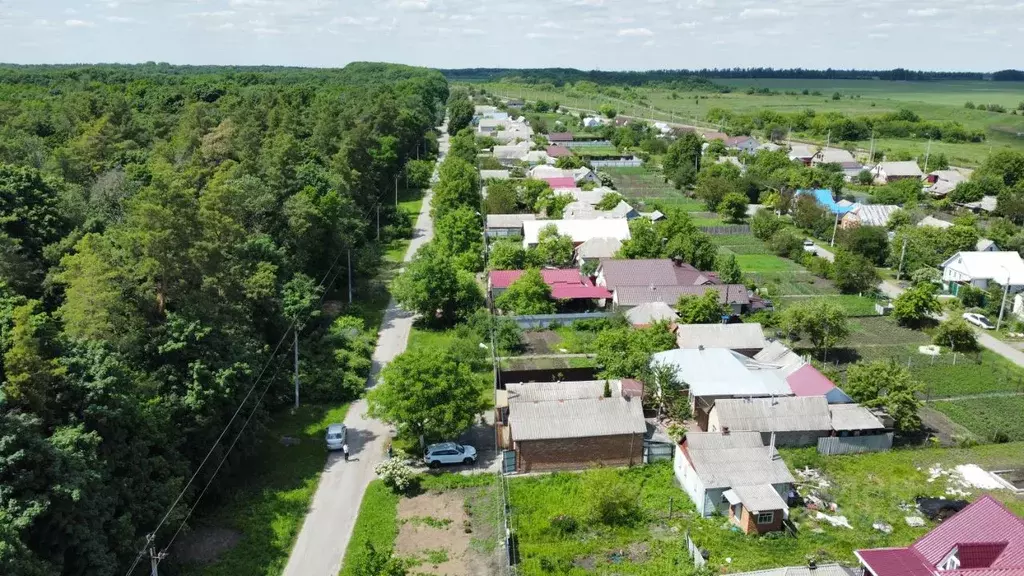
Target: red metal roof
{"points": [[989, 540], [561, 181], [559, 152], [808, 381], [560, 137], [566, 284]]}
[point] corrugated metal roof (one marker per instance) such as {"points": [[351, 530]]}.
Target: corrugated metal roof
{"points": [[731, 336], [558, 182], [555, 391], [508, 220], [651, 312], [584, 211], [640, 272], [566, 284], [721, 372], [808, 381], [757, 498], [853, 417], [734, 459], [560, 152], [903, 168], [894, 562], [820, 570], [874, 214], [560, 137], [599, 248], [579, 230], [576, 419], [988, 265], [788, 414], [494, 174], [983, 521]]}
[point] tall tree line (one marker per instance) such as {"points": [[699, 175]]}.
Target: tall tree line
{"points": [[160, 229]]}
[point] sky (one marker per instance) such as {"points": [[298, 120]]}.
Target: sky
{"points": [[980, 35]]}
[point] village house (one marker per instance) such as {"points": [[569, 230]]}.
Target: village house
{"points": [[887, 172], [634, 282], [811, 569], [934, 222], [560, 182], [486, 175], [793, 420], [825, 198], [747, 339], [983, 539], [979, 268], [579, 230], [596, 249], [802, 153], [801, 376], [746, 144], [572, 425], [565, 284], [558, 137], [735, 474], [942, 182], [555, 151], [868, 215], [986, 204], [506, 225], [585, 211], [651, 313], [580, 175]]}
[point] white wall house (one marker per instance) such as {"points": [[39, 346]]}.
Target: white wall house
{"points": [[979, 268]]}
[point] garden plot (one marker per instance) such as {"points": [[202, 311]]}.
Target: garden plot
{"points": [[436, 535]]}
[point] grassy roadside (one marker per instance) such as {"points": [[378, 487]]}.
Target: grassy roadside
{"points": [[267, 509], [376, 524]]}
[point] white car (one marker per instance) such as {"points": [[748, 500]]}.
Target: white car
{"points": [[337, 434], [808, 242], [449, 453], [979, 320]]}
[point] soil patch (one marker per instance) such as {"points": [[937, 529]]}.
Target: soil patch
{"points": [[541, 342], [205, 544], [432, 532]]}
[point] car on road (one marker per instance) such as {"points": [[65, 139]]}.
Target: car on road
{"points": [[808, 242], [337, 434], [449, 453], [979, 320]]}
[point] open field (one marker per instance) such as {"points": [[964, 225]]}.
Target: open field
{"points": [[938, 101], [868, 488], [649, 185], [990, 418]]}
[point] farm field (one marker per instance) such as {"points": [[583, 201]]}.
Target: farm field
{"points": [[649, 185], [558, 532], [993, 419]]}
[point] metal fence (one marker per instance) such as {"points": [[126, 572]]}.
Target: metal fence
{"points": [[835, 445], [634, 163], [698, 557], [545, 320], [726, 229], [587, 143], [658, 451]]}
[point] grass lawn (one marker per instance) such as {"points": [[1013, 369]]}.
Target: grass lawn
{"points": [[855, 306], [868, 488], [760, 263], [987, 417], [268, 506]]}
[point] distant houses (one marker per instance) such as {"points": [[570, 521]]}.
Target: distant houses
{"points": [[635, 282], [977, 269], [887, 172]]}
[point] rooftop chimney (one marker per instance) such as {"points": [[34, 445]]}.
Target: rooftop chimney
{"points": [[725, 430], [771, 447]]}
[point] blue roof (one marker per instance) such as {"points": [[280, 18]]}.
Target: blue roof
{"points": [[824, 197], [837, 396]]}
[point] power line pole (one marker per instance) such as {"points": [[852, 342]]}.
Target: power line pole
{"points": [[902, 253], [154, 560], [296, 366], [349, 275], [378, 222]]}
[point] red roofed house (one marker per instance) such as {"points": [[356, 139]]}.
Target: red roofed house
{"points": [[983, 539], [566, 284], [560, 137], [558, 151], [557, 182]]}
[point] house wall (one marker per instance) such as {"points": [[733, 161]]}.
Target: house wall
{"points": [[747, 521], [795, 439], [687, 478], [497, 232], [579, 453]]}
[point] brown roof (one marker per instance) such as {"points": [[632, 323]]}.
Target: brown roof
{"points": [[709, 136], [560, 137], [648, 272]]}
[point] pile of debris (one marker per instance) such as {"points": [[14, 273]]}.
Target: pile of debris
{"points": [[814, 496]]}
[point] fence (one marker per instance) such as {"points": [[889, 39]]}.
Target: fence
{"points": [[726, 229], [695, 553], [634, 163], [835, 445], [544, 375], [658, 451], [545, 320], [587, 143]]}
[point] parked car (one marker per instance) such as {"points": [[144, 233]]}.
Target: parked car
{"points": [[337, 434], [808, 242], [449, 453], [979, 320]]}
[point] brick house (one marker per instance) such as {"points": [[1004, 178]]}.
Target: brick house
{"points": [[572, 425]]}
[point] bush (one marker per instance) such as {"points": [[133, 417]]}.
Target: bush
{"points": [[395, 474], [787, 243], [564, 524], [610, 500], [971, 296], [957, 334]]}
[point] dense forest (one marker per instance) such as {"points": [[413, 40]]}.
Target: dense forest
{"points": [[700, 79], [161, 230]]}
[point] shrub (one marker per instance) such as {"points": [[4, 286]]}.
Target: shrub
{"points": [[395, 474], [564, 524], [610, 500], [957, 334]]}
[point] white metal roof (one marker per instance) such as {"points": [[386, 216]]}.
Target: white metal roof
{"points": [[732, 336], [583, 211], [721, 372], [934, 222], [853, 417], [757, 498], [873, 214], [576, 419], [650, 312], [998, 266], [508, 220], [903, 168], [788, 414], [496, 174], [820, 570], [579, 230]]}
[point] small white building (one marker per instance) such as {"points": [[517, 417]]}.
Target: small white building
{"points": [[887, 172], [979, 268]]}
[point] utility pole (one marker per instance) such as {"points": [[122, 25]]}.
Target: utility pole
{"points": [[1002, 306], [834, 228], [349, 275], [378, 222], [903, 252], [927, 155], [296, 365], [154, 559]]}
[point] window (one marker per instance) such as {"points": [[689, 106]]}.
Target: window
{"points": [[765, 517]]}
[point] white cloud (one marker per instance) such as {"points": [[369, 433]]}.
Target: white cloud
{"points": [[462, 17], [120, 19], [634, 32], [589, 2], [353, 21], [623, 20], [41, 22], [414, 4], [79, 24], [923, 12], [473, 31], [686, 25], [649, 43], [749, 13], [244, 3], [214, 14], [878, 35], [267, 31], [535, 35], [550, 25], [225, 26], [881, 25]]}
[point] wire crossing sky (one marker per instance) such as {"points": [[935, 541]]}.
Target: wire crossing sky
{"points": [[587, 34]]}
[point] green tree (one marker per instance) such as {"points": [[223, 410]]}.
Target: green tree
{"points": [[528, 294], [729, 270], [458, 185], [626, 352], [733, 207], [607, 110], [916, 306], [764, 224], [435, 288], [643, 241], [713, 190], [957, 334], [685, 151], [458, 234], [1006, 165], [463, 146], [888, 385], [824, 323], [507, 254], [704, 309], [460, 112], [427, 394], [418, 173], [609, 500], [502, 197], [553, 249], [853, 273], [552, 203], [898, 219], [871, 242], [787, 242], [809, 215], [609, 201]]}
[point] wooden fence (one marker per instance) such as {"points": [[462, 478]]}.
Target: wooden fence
{"points": [[835, 445]]}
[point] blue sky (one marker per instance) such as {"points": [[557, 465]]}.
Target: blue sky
{"points": [[981, 35]]}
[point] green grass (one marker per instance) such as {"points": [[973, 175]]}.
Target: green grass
{"points": [[376, 524], [855, 306], [868, 488], [761, 263], [270, 504], [987, 373], [987, 417]]}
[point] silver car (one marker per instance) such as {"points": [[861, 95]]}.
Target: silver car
{"points": [[337, 435], [449, 453]]}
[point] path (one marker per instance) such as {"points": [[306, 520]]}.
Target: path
{"points": [[325, 534], [975, 396]]}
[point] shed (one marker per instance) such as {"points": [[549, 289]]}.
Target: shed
{"points": [[494, 175], [869, 215], [559, 152], [747, 339], [891, 171], [560, 137], [505, 225]]}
